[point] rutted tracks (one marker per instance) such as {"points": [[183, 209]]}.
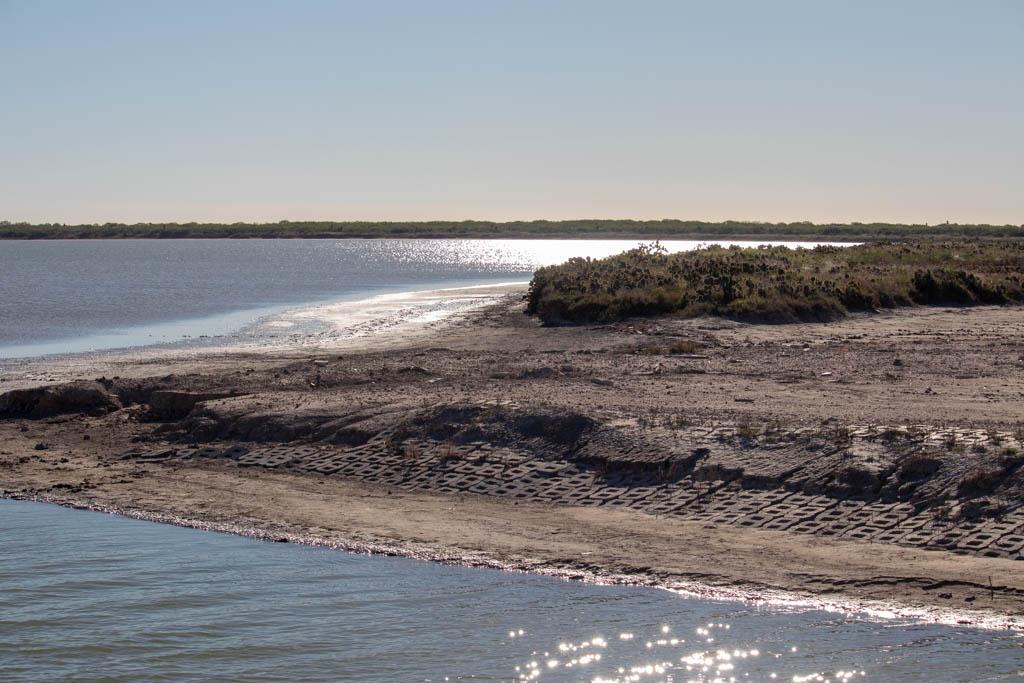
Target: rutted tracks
{"points": [[709, 491]]}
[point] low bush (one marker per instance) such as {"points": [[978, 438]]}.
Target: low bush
{"points": [[778, 284]]}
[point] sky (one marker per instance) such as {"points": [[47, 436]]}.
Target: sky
{"points": [[823, 111]]}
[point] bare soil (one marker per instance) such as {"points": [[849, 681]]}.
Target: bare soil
{"points": [[660, 450]]}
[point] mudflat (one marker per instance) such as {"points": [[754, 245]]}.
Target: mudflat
{"points": [[876, 459]]}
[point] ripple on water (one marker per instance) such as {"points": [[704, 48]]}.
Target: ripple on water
{"points": [[93, 595]]}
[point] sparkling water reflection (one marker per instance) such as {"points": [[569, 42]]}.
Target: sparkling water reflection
{"points": [[87, 596], [701, 660]]}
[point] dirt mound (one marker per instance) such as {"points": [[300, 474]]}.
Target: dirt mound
{"points": [[168, 404], [58, 399], [548, 433], [267, 419]]}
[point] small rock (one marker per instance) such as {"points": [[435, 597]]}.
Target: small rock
{"points": [[42, 446], [543, 372]]}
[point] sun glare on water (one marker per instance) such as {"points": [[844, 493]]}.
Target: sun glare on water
{"points": [[662, 657]]}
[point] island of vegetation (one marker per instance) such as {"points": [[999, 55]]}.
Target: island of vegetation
{"points": [[778, 284], [583, 228]]}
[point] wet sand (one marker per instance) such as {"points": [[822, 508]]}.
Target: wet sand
{"points": [[746, 413], [378, 322], [597, 544]]}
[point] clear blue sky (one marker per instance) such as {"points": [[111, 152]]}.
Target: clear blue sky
{"points": [[818, 110]]}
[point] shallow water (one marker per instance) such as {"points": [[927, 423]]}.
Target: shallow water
{"points": [[69, 296], [88, 596]]}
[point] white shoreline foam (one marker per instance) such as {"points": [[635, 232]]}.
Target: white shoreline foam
{"points": [[330, 325], [342, 324], [875, 609]]}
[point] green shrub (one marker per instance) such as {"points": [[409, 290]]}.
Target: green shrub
{"points": [[778, 284]]}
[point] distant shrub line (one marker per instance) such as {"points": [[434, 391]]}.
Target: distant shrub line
{"points": [[530, 229], [778, 284]]}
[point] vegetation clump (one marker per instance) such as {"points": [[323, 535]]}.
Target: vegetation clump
{"points": [[778, 284]]}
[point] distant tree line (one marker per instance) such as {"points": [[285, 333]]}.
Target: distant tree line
{"points": [[487, 229]]}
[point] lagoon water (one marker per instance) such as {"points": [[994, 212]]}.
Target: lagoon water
{"points": [[69, 296], [86, 596]]}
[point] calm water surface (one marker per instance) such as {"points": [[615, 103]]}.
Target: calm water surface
{"points": [[87, 596], [68, 296]]}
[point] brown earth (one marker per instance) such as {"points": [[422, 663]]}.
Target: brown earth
{"points": [[875, 458]]}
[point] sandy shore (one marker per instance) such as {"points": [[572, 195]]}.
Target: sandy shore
{"points": [[378, 322], [836, 463], [592, 544]]}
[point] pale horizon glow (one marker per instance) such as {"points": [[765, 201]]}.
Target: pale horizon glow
{"points": [[258, 111]]}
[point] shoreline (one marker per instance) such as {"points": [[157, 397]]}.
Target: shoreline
{"points": [[391, 319], [786, 598], [631, 465], [745, 591], [258, 334]]}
